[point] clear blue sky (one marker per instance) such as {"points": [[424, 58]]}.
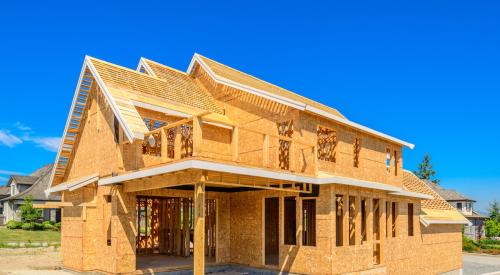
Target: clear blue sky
{"points": [[425, 72]]}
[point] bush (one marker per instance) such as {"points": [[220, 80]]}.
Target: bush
{"points": [[49, 226], [14, 224], [469, 245], [28, 226], [57, 225], [489, 242], [48, 223]]}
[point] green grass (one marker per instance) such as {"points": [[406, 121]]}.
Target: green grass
{"points": [[19, 235]]}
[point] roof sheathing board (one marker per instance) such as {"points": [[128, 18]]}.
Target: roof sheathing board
{"points": [[239, 80], [177, 88]]}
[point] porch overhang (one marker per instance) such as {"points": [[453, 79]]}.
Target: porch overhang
{"points": [[196, 164], [74, 184]]}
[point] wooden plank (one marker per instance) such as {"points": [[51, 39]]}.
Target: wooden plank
{"points": [[265, 151], [177, 143], [234, 143], [197, 136], [199, 228]]}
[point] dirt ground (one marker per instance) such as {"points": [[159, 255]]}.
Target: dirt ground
{"points": [[30, 261]]}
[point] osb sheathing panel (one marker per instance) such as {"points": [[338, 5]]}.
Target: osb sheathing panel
{"points": [[372, 157], [96, 149]]}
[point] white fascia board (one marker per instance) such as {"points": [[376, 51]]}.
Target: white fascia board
{"points": [[427, 222], [57, 188], [247, 171], [160, 109], [358, 183], [111, 101], [292, 103], [406, 193], [143, 63], [222, 80], [216, 124], [82, 182], [68, 120], [358, 126]]}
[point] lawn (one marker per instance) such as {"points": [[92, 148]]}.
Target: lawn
{"points": [[19, 235]]}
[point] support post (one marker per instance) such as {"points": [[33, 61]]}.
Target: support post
{"points": [[292, 156], [265, 151], [199, 228], [315, 160], [164, 145], [178, 143], [234, 143], [197, 136]]}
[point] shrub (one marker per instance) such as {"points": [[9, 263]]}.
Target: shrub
{"points": [[57, 225], [28, 226], [469, 245], [489, 241], [49, 226], [28, 213], [38, 226], [13, 224], [48, 222]]}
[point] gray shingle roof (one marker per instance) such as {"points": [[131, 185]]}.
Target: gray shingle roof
{"points": [[448, 194], [37, 189], [24, 179]]}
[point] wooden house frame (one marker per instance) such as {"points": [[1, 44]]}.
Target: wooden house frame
{"points": [[212, 166]]}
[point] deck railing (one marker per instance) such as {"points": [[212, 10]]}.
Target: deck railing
{"points": [[240, 145]]}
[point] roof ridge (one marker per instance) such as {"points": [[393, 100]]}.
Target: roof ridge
{"points": [[274, 85], [166, 66], [124, 68]]}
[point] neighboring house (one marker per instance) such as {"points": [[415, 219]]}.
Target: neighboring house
{"points": [[475, 229], [4, 192], [33, 185], [161, 169]]}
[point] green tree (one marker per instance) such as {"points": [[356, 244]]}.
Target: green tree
{"points": [[494, 211], [28, 213], [492, 228], [425, 170]]}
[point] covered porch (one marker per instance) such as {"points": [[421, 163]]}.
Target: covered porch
{"points": [[183, 219]]}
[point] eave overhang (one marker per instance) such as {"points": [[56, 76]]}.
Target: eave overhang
{"points": [[289, 102]]}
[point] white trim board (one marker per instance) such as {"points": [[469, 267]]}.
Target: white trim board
{"points": [[289, 102], [427, 222], [248, 171], [143, 63], [74, 184]]}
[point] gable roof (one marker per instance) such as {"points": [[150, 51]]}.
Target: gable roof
{"points": [[123, 89], [4, 191], [22, 179], [435, 210], [37, 189], [228, 76], [448, 194]]}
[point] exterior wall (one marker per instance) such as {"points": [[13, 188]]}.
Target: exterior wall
{"points": [[253, 112], [431, 250]]}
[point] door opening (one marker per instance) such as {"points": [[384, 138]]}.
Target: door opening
{"points": [[271, 223]]}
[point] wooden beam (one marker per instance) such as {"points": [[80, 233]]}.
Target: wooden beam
{"points": [[265, 151], [291, 189], [199, 228], [162, 181], [197, 136], [177, 143], [234, 143], [164, 145]]}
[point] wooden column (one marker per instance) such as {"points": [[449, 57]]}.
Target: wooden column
{"points": [[164, 145], [199, 228], [234, 143], [265, 151], [177, 143], [292, 156], [197, 136]]}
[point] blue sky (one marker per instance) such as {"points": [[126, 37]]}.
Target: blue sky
{"points": [[426, 71]]}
